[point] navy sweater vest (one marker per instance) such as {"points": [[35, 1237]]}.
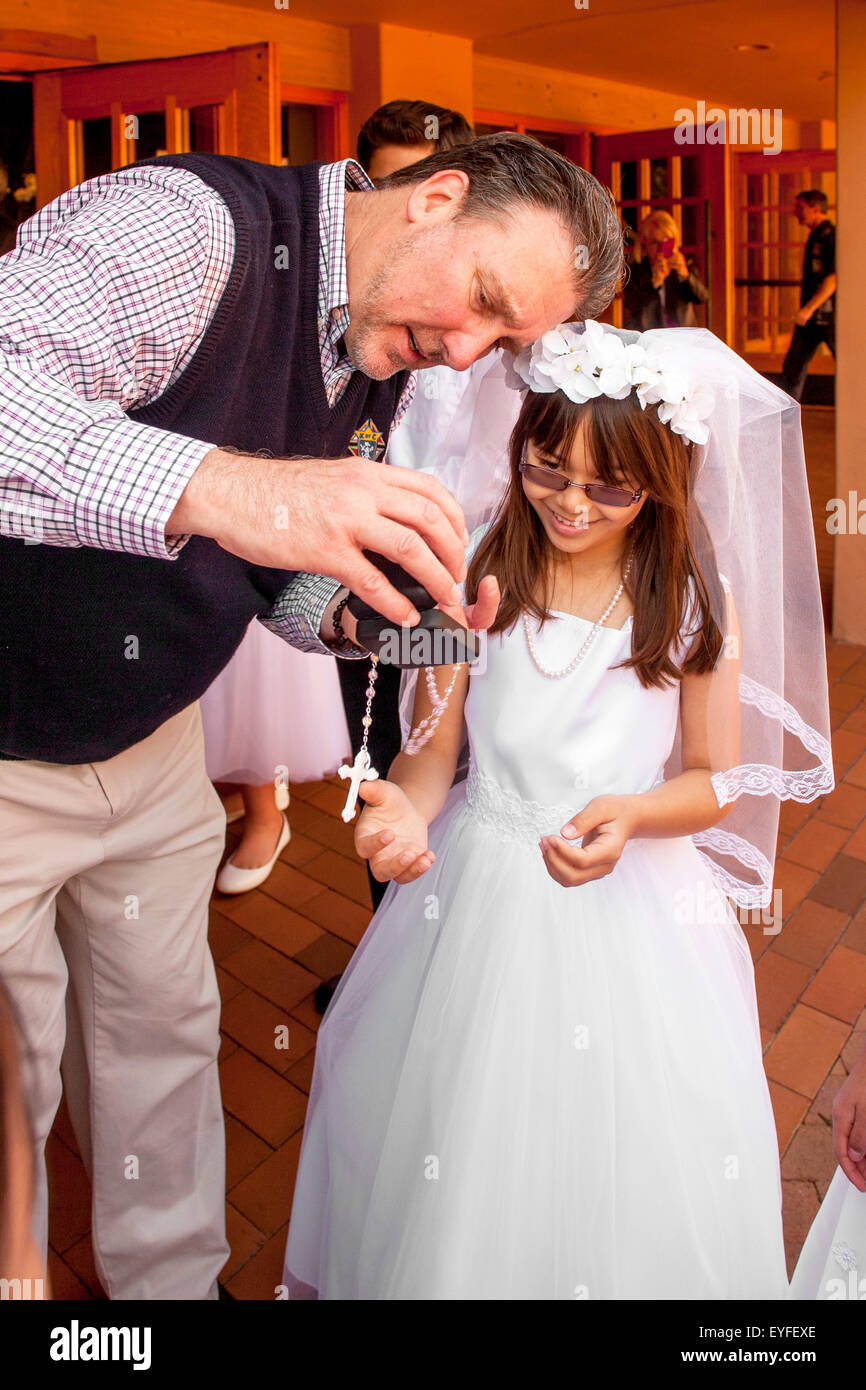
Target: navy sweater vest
{"points": [[74, 685]]}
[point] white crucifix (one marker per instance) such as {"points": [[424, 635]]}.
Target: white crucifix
{"points": [[360, 771]]}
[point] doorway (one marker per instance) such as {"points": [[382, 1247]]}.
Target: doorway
{"points": [[88, 121], [648, 171], [17, 175]]}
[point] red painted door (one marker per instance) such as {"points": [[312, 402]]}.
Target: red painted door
{"points": [[649, 169]]}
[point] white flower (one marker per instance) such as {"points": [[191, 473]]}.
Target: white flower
{"points": [[557, 341], [597, 362], [574, 375], [684, 403], [691, 415]]}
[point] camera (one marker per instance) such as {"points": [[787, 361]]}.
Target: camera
{"points": [[437, 640]]}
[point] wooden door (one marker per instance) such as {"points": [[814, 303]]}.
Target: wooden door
{"points": [[88, 121], [314, 125], [768, 250], [649, 170]]}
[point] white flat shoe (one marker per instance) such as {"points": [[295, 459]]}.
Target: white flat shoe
{"points": [[233, 880]]}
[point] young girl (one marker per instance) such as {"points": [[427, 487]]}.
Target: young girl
{"points": [[541, 1075]]}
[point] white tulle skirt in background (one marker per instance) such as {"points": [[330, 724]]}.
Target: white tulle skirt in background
{"points": [[272, 707]]}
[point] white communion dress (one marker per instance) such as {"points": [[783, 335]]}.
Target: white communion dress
{"points": [[527, 1091]]}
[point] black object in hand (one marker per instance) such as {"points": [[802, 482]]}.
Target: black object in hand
{"points": [[436, 640]]}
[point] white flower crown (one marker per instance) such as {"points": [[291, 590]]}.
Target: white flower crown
{"points": [[597, 362]]}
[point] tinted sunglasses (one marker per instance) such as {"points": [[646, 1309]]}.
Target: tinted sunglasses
{"points": [[602, 493]]}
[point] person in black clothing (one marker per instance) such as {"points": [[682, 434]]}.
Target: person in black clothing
{"points": [[663, 286], [815, 320]]}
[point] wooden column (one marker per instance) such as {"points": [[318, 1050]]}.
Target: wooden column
{"points": [[849, 569], [389, 61]]}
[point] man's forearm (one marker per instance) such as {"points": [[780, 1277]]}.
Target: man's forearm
{"points": [[825, 291], [206, 497], [75, 472]]}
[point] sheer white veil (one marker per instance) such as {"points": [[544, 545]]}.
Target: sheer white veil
{"points": [[457, 428], [752, 521], [751, 489]]}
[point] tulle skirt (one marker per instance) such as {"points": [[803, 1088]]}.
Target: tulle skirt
{"points": [[274, 707], [832, 1263], [525, 1091]]}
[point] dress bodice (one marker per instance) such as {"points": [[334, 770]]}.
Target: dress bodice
{"points": [[542, 747]]}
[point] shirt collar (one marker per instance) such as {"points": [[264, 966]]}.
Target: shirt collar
{"points": [[335, 180]]}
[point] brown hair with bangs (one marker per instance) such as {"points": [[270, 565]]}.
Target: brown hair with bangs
{"points": [[622, 440]]}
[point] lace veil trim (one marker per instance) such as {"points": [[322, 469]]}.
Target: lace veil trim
{"points": [[764, 779]]}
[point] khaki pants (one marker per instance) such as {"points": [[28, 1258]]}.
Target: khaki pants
{"points": [[105, 874]]}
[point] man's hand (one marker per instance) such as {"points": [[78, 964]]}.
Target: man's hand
{"points": [[802, 316], [391, 833], [478, 615], [605, 824], [318, 515]]}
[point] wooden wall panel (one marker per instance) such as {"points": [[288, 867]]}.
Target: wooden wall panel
{"points": [[503, 85], [53, 157], [310, 53]]}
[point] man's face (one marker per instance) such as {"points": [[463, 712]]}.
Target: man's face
{"points": [[440, 291], [389, 158], [807, 216]]}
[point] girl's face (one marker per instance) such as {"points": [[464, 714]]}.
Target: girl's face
{"points": [[575, 523]]}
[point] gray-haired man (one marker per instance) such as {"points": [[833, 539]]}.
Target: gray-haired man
{"points": [[170, 335]]}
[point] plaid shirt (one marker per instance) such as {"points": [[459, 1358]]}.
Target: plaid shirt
{"points": [[103, 303]]}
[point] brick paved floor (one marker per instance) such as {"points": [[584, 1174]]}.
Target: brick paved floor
{"points": [[272, 946]]}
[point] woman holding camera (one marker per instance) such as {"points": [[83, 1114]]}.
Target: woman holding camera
{"points": [[663, 286]]}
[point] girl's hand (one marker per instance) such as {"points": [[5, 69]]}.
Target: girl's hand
{"points": [[605, 823], [391, 833], [481, 613], [849, 1125]]}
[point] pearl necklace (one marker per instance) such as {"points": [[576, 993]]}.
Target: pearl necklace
{"points": [[588, 640]]}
